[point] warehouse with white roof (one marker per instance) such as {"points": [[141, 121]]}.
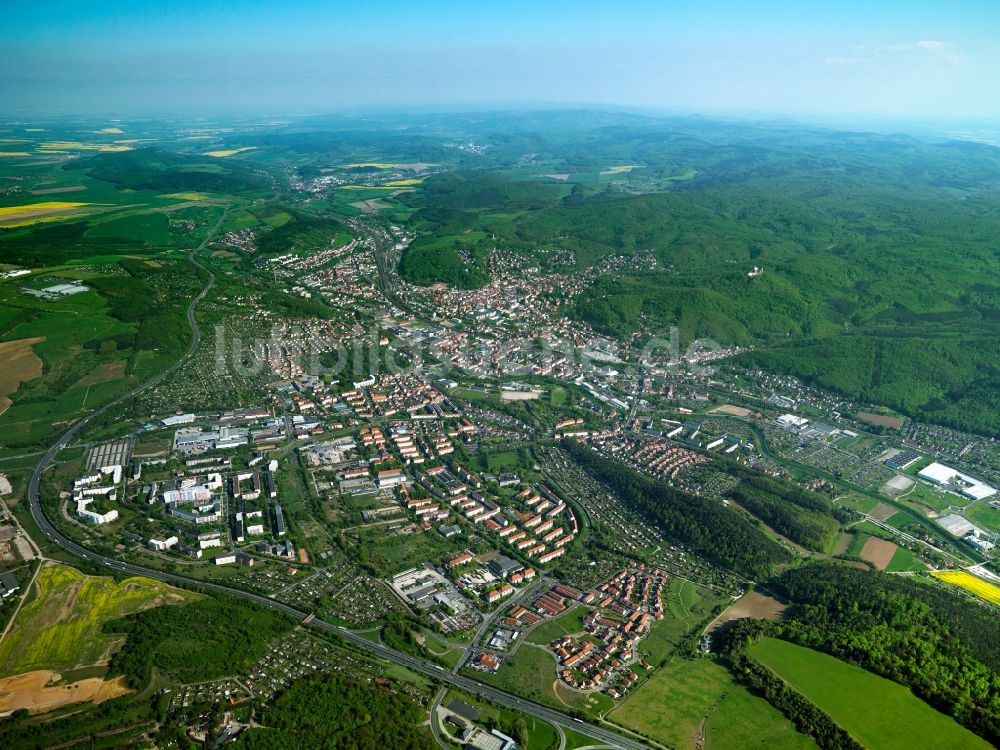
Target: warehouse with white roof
{"points": [[955, 481]]}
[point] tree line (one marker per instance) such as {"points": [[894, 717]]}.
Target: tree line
{"points": [[805, 715], [804, 517], [711, 530]]}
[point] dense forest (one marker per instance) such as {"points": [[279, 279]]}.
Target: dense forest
{"points": [[723, 536], [198, 641], [332, 712], [946, 650], [301, 233], [460, 263], [157, 169], [806, 518], [49, 244]]}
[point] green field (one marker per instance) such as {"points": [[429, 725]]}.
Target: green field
{"points": [[532, 674], [983, 515], [687, 605], [904, 560], [877, 712], [61, 628], [672, 705], [571, 622]]}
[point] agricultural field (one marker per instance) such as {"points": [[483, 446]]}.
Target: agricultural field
{"points": [[20, 364], [752, 604], [35, 213], [879, 552], [706, 707], [877, 712], [61, 628], [905, 561], [222, 153], [983, 589]]}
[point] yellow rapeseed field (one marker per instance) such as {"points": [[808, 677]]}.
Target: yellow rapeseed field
{"points": [[43, 206], [33, 213], [63, 626], [186, 196], [979, 587]]}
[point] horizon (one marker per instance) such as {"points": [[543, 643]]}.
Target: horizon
{"points": [[882, 60]]}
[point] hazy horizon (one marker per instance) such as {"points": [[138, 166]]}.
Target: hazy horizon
{"points": [[880, 60]]}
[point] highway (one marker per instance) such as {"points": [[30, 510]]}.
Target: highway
{"points": [[435, 672]]}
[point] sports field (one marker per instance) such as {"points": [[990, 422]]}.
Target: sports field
{"points": [[62, 627], [877, 712], [979, 587]]}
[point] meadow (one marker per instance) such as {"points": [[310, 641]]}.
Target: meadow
{"points": [[690, 698], [571, 622], [877, 712], [61, 628], [532, 674]]}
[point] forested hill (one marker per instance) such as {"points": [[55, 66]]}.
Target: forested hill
{"points": [[719, 534], [881, 265], [945, 649], [330, 711]]}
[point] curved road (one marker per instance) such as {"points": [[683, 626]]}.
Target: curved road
{"points": [[468, 684]]}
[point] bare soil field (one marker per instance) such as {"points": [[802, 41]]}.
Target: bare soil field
{"points": [[371, 206], [878, 552], [20, 363], [897, 485], [736, 411], [753, 604], [35, 691], [883, 420], [64, 189], [882, 511]]}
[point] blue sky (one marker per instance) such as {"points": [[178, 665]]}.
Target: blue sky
{"points": [[908, 59]]}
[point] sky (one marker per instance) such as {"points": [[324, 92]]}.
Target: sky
{"points": [[903, 59]]}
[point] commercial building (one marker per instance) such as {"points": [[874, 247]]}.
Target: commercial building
{"points": [[955, 481]]}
